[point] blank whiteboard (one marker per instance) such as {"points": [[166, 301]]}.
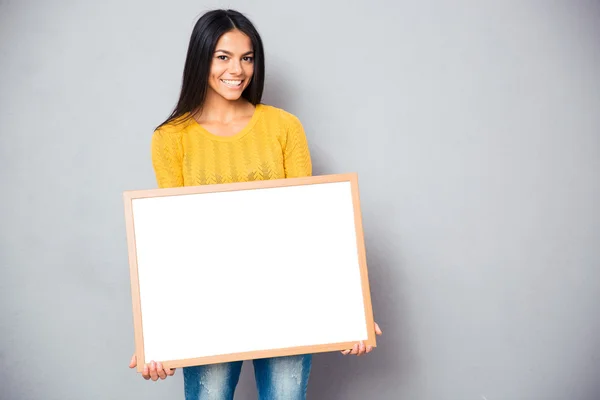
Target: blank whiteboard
{"points": [[247, 270]]}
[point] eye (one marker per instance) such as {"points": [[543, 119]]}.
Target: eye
{"points": [[222, 57], [248, 59]]}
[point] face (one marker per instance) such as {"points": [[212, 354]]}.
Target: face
{"points": [[232, 65]]}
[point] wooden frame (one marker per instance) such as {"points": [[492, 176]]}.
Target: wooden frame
{"points": [[131, 196]]}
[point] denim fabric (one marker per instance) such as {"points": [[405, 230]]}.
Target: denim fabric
{"points": [[279, 378]]}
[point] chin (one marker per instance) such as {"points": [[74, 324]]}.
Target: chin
{"points": [[230, 97]]}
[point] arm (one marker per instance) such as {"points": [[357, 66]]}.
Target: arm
{"points": [[296, 154], [298, 163], [167, 158]]}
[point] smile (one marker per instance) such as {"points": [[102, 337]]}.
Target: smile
{"points": [[232, 83]]}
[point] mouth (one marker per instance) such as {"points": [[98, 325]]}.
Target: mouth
{"points": [[232, 83]]}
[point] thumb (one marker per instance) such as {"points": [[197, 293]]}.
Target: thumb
{"points": [[133, 362]]}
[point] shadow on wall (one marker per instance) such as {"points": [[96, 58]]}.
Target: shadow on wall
{"points": [[335, 376]]}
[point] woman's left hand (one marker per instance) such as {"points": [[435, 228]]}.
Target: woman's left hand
{"points": [[359, 348]]}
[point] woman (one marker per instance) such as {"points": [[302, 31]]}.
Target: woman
{"points": [[220, 132]]}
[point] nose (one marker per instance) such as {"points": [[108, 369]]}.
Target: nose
{"points": [[235, 67]]}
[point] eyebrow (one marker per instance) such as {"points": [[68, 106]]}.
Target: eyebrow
{"points": [[230, 54]]}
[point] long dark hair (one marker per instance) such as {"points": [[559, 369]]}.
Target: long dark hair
{"points": [[207, 32]]}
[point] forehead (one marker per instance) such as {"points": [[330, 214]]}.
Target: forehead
{"points": [[234, 41]]}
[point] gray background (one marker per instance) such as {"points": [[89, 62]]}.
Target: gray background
{"points": [[475, 130]]}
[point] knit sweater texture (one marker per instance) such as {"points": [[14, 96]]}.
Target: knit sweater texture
{"points": [[272, 145]]}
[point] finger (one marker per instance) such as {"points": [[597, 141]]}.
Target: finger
{"points": [[162, 374], [146, 372], [133, 362], [361, 348], [346, 352], [354, 349], [377, 329], [170, 371], [153, 374], [369, 349]]}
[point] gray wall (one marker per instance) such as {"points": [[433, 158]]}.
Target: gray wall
{"points": [[475, 130]]}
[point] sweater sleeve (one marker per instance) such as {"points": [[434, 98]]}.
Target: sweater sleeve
{"points": [[297, 160], [167, 158]]}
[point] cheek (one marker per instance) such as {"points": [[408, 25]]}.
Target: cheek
{"points": [[249, 71], [216, 71]]}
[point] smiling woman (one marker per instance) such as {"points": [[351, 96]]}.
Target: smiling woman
{"points": [[236, 65], [219, 132]]}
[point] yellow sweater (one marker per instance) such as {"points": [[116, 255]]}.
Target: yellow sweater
{"points": [[271, 146]]}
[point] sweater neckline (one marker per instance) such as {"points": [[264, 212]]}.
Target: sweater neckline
{"points": [[257, 112]]}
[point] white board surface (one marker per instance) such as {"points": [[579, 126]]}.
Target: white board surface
{"points": [[249, 270]]}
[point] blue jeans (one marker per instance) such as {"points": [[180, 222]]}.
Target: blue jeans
{"points": [[279, 378]]}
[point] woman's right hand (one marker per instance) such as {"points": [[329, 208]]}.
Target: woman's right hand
{"points": [[152, 370]]}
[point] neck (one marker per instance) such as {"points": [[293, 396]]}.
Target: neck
{"points": [[216, 108]]}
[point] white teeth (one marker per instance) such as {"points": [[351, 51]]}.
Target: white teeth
{"points": [[231, 83]]}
